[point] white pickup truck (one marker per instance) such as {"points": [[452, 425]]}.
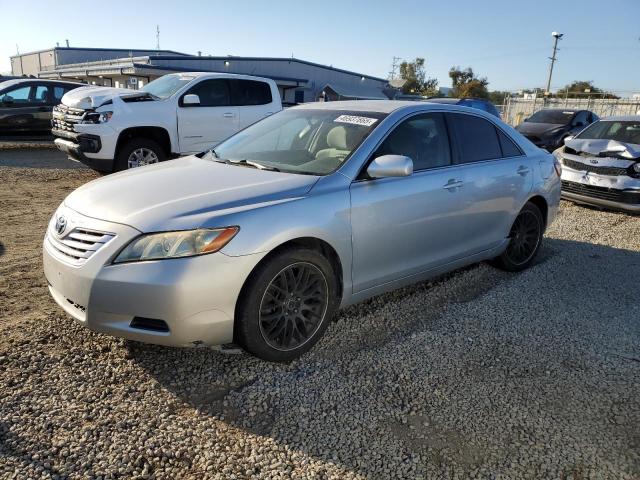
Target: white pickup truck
{"points": [[112, 129]]}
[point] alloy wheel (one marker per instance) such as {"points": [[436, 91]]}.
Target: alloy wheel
{"points": [[293, 306], [140, 157], [525, 237]]}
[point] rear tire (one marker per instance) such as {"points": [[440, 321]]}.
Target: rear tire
{"points": [[525, 239], [142, 151], [286, 305]]}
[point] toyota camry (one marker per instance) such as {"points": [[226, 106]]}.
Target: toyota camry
{"points": [[259, 241]]}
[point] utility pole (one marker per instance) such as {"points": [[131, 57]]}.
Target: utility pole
{"points": [[394, 67], [556, 36], [157, 37]]}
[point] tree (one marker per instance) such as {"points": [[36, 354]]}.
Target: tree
{"points": [[416, 79], [578, 87], [497, 97], [465, 84]]}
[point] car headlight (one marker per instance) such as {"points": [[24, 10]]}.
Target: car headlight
{"points": [[97, 117], [184, 243]]}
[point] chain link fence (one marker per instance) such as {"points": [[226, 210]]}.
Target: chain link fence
{"points": [[515, 110]]}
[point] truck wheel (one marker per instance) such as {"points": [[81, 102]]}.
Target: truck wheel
{"points": [[138, 152]]}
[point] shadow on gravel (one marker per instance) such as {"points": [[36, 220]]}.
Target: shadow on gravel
{"points": [[1, 249], [562, 315]]}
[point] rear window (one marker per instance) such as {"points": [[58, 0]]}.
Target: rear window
{"points": [[249, 92], [476, 138]]}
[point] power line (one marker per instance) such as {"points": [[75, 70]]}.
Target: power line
{"points": [[394, 67]]}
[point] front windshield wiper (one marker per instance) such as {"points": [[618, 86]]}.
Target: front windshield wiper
{"points": [[250, 163]]}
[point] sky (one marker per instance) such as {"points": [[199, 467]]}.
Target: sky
{"points": [[507, 41]]}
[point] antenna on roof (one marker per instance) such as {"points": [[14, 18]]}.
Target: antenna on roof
{"points": [[157, 37], [67, 41], [17, 50]]}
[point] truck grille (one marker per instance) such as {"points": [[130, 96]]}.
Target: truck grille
{"points": [[603, 193], [64, 118], [600, 170], [79, 244]]}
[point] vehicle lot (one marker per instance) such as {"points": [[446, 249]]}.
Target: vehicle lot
{"points": [[484, 373]]}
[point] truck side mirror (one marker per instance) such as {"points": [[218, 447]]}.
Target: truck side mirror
{"points": [[191, 99]]}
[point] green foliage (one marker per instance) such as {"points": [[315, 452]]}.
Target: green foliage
{"points": [[578, 87], [417, 82], [497, 97], [465, 84]]}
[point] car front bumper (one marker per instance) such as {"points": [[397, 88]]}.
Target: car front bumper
{"points": [[194, 298], [606, 191], [94, 148]]}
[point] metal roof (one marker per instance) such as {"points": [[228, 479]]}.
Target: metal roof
{"points": [[364, 92]]}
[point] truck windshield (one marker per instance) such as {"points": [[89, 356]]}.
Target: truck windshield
{"points": [[166, 86], [305, 141]]}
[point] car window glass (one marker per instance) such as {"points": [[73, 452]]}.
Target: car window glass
{"points": [[41, 95], [423, 138], [212, 93], [509, 148], [581, 118], [476, 138], [249, 92], [58, 93], [17, 95]]}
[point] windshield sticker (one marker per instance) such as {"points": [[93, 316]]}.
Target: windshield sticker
{"points": [[356, 120]]}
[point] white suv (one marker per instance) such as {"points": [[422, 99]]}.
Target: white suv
{"points": [[112, 129]]}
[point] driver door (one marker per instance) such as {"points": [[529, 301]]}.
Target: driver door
{"points": [[407, 225], [206, 124], [19, 111]]}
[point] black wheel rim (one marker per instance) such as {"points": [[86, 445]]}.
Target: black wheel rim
{"points": [[525, 237], [293, 306]]}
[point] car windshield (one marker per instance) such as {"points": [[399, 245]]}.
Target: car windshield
{"points": [[559, 117], [166, 86], [621, 131], [305, 141]]}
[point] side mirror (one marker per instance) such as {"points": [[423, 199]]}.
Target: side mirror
{"points": [[566, 139], [191, 99], [390, 166]]}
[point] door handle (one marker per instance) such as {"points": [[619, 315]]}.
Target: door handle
{"points": [[228, 115], [522, 170], [453, 184]]}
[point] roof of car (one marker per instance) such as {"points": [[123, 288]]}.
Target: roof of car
{"points": [[622, 118], [380, 106], [564, 109], [17, 81]]}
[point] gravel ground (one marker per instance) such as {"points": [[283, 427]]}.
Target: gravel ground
{"points": [[481, 374], [23, 154]]}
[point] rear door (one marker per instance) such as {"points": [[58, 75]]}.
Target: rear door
{"points": [[407, 225], [253, 99], [497, 179], [42, 103], [205, 125]]}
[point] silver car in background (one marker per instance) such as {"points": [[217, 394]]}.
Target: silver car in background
{"points": [[601, 165], [261, 240]]}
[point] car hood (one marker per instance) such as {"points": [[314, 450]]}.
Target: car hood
{"points": [[189, 192], [600, 146], [532, 128], [93, 97]]}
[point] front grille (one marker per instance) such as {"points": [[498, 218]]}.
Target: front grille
{"points": [[603, 193], [64, 118], [600, 170], [79, 244]]}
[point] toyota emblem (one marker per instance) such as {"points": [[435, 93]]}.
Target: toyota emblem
{"points": [[61, 224]]}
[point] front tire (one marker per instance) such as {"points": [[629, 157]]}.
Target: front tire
{"points": [[286, 305], [525, 239], [138, 152]]}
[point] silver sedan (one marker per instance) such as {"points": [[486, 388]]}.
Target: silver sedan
{"points": [[261, 240]]}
